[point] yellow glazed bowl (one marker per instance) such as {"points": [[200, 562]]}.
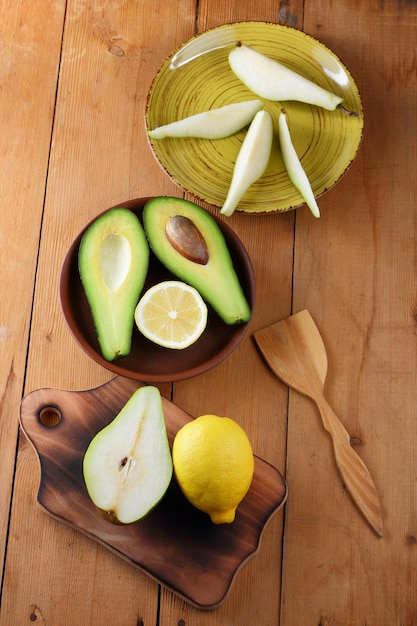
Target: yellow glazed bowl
{"points": [[197, 77]]}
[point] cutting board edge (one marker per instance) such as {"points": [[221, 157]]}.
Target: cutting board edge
{"points": [[192, 601]]}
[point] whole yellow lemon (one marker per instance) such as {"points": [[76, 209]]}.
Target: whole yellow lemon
{"points": [[213, 464]]}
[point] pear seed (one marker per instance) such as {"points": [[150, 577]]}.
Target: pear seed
{"points": [[185, 238]]}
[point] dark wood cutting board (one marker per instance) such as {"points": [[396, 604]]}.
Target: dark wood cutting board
{"points": [[177, 545]]}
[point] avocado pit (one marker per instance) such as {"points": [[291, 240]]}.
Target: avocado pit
{"points": [[185, 238]]}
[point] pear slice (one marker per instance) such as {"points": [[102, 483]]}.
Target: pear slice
{"points": [[271, 80], [293, 165], [212, 124], [251, 161], [113, 261], [128, 465]]}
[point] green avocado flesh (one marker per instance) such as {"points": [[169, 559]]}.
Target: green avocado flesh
{"points": [[216, 279], [113, 261]]}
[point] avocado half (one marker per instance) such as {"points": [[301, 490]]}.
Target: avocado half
{"points": [[212, 273], [113, 262]]}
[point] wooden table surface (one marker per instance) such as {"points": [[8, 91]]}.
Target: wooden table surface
{"points": [[74, 77]]}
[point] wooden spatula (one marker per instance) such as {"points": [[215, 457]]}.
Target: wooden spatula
{"points": [[295, 352]]}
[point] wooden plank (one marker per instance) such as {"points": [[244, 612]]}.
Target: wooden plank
{"points": [[226, 390], [99, 157], [27, 116], [355, 272]]}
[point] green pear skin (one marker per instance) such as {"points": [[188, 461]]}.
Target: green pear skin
{"points": [[127, 467]]}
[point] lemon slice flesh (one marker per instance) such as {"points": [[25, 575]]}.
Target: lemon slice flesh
{"points": [[172, 314]]}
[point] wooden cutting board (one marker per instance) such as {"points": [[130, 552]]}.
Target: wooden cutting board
{"points": [[176, 544]]}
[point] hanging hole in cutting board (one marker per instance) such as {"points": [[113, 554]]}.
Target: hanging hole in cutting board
{"points": [[50, 416]]}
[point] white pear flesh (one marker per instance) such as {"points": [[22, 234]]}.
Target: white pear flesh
{"points": [[128, 465], [251, 161], [293, 165], [211, 124], [271, 80]]}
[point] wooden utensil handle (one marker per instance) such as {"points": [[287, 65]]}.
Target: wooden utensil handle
{"points": [[353, 470]]}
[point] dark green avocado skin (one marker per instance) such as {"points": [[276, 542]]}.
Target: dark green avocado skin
{"points": [[216, 280]]}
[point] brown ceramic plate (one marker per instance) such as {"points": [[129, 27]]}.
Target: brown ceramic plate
{"points": [[176, 544], [147, 361]]}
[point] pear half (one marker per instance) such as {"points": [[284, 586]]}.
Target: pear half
{"points": [[113, 261], [128, 465]]}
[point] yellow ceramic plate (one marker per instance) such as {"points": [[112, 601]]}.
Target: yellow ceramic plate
{"points": [[197, 77]]}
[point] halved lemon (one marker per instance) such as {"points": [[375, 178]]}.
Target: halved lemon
{"points": [[172, 314]]}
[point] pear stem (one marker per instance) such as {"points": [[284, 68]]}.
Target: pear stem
{"points": [[347, 111]]}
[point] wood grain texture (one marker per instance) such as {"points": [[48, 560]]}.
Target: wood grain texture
{"points": [[27, 117], [263, 413], [175, 544], [99, 157], [355, 272], [295, 352], [354, 269]]}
